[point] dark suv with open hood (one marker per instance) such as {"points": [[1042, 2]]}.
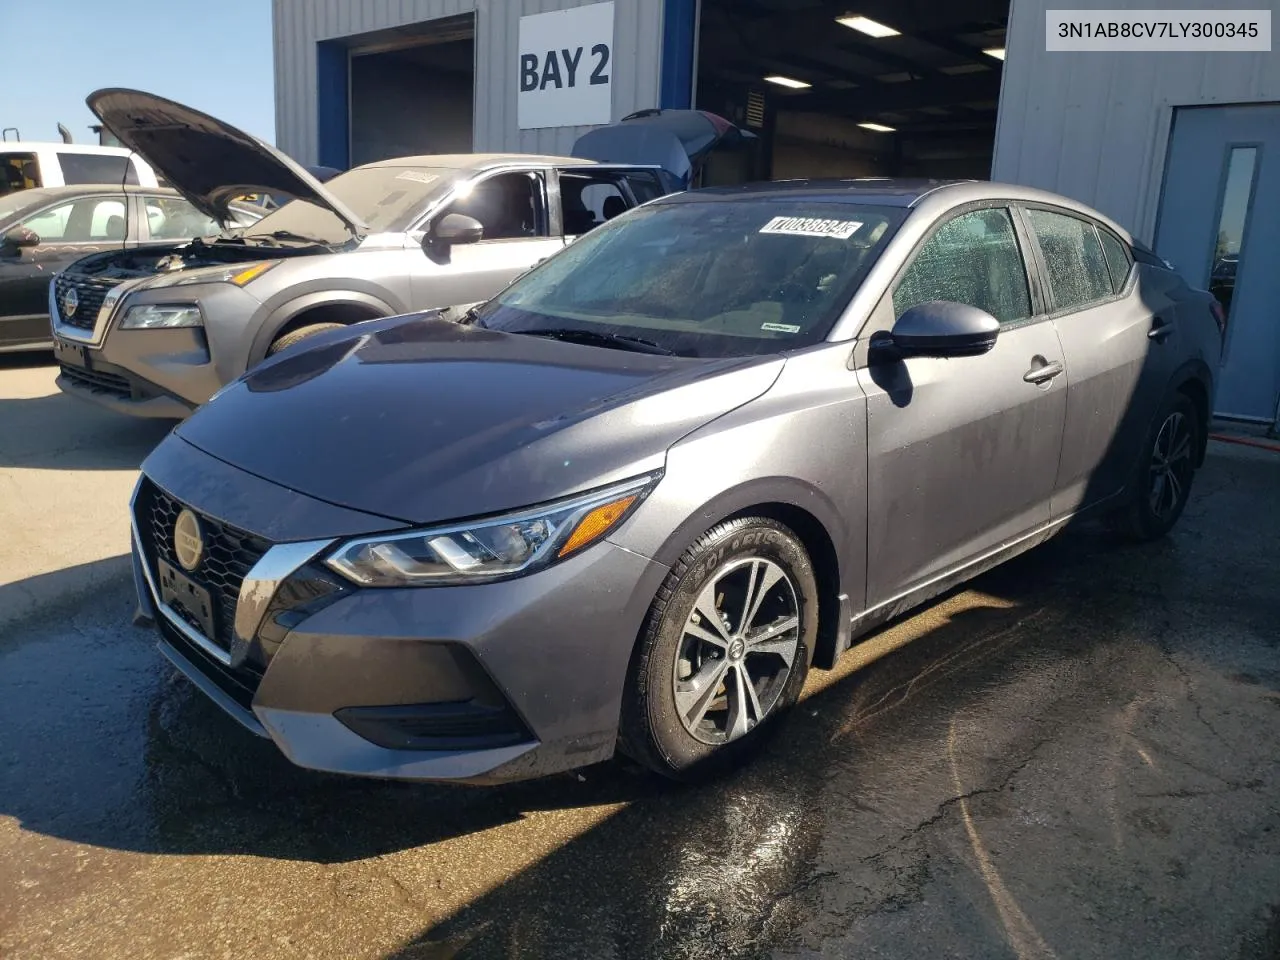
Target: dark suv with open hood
{"points": [[156, 332]]}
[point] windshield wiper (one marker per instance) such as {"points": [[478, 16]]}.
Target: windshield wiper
{"points": [[638, 344], [287, 235]]}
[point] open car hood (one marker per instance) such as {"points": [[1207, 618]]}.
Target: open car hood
{"points": [[678, 141], [209, 162]]}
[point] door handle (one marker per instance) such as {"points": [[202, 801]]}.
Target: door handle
{"points": [[1160, 330], [1043, 373]]}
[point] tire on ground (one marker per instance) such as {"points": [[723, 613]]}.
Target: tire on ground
{"points": [[651, 730], [1137, 520]]}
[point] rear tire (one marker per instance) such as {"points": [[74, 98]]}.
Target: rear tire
{"points": [[1164, 473], [724, 651], [287, 340]]}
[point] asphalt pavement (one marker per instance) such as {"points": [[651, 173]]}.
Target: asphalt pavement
{"points": [[1074, 758]]}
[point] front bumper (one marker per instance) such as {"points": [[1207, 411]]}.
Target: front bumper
{"points": [[479, 684], [164, 373]]}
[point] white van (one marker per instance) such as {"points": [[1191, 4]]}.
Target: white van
{"points": [[24, 165]]}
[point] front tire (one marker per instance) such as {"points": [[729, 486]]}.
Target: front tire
{"points": [[287, 340], [724, 650], [1165, 471]]}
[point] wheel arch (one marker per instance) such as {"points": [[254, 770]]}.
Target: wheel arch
{"points": [[322, 306], [805, 510], [1194, 380]]}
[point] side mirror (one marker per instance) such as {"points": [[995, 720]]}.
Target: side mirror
{"points": [[20, 237], [941, 328], [457, 228], [451, 229]]}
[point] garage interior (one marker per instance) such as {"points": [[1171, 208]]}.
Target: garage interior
{"points": [[412, 90], [901, 88]]}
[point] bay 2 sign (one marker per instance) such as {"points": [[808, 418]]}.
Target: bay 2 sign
{"points": [[566, 67]]}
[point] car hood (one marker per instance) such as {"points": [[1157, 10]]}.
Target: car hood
{"points": [[678, 141], [209, 162], [424, 420]]}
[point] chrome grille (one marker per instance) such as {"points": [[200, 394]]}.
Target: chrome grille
{"points": [[91, 291], [229, 554]]}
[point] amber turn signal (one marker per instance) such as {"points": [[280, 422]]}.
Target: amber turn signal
{"points": [[596, 524]]}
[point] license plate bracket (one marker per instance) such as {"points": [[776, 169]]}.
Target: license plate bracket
{"points": [[184, 595]]}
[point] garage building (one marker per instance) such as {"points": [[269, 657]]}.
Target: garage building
{"points": [[1181, 148]]}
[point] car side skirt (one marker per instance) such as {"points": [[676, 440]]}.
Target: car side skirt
{"points": [[863, 623]]}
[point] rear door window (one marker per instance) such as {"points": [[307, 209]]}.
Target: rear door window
{"points": [[973, 259], [18, 171], [1118, 261], [96, 168], [1078, 274], [588, 200], [645, 186]]}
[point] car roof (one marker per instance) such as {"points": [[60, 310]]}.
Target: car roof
{"points": [[46, 194], [892, 192], [26, 146], [480, 161], [880, 191]]}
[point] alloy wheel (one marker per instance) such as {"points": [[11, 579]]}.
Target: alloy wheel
{"points": [[1171, 466], [737, 650]]}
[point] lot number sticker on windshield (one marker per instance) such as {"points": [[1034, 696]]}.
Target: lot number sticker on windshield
{"points": [[812, 227]]}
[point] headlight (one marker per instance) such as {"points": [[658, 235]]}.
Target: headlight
{"points": [[155, 316], [239, 274], [505, 546]]}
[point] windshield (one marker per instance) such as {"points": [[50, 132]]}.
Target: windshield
{"points": [[706, 278], [13, 203], [387, 199]]}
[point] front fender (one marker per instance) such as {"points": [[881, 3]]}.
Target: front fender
{"points": [[801, 445], [282, 314]]}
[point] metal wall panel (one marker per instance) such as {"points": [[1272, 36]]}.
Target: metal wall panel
{"points": [[1095, 126], [300, 24]]}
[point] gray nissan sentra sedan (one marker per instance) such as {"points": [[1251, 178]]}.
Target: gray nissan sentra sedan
{"points": [[627, 503]]}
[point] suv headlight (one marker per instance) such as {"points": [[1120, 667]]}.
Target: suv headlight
{"points": [[506, 546], [155, 316], [239, 274]]}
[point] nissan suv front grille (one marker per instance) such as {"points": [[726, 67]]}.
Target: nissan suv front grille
{"points": [[90, 292]]}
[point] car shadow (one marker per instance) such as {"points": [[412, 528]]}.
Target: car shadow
{"points": [[43, 428], [199, 784], [726, 864]]}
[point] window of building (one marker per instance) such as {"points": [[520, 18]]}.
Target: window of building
{"points": [[1073, 257], [1233, 214], [972, 259]]}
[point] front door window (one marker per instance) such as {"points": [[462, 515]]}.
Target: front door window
{"points": [[508, 206]]}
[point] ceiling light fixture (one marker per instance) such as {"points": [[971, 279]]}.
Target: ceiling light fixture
{"points": [[868, 26], [789, 82], [997, 52], [877, 127]]}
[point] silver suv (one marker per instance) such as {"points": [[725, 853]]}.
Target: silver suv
{"points": [[155, 332]]}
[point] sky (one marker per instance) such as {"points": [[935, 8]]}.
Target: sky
{"points": [[212, 54]]}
